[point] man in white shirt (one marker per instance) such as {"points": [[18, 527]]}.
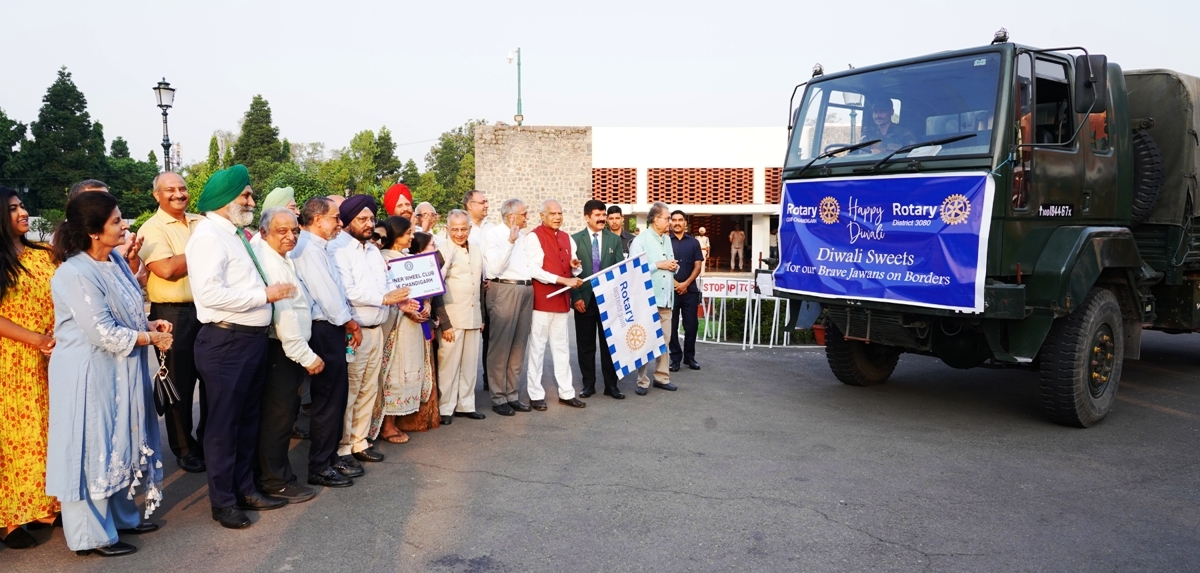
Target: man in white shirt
{"points": [[476, 205], [288, 357], [705, 248], [509, 303], [458, 354], [550, 253], [233, 302], [332, 325], [364, 276], [737, 244]]}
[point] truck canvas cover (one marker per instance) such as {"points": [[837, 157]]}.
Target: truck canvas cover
{"points": [[1172, 100]]}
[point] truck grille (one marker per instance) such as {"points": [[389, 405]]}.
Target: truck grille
{"points": [[878, 326]]}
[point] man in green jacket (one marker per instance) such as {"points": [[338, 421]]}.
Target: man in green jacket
{"points": [[596, 248]]}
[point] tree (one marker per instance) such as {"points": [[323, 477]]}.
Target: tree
{"points": [[120, 149], [308, 156], [466, 176], [258, 146], [12, 134], [195, 176], [285, 151], [66, 146], [306, 185], [409, 174], [214, 154], [428, 189], [45, 224], [152, 158], [386, 164], [227, 161], [131, 182], [445, 157]]}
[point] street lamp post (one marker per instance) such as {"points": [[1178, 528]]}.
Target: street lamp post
{"points": [[517, 52], [166, 97]]}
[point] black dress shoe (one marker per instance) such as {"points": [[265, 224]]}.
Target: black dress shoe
{"points": [[673, 368], [518, 406], [640, 391], [291, 492], [230, 517], [587, 393], [504, 410], [298, 434], [191, 464], [348, 466], [330, 478], [143, 527], [616, 394], [368, 455], [115, 550], [259, 502], [573, 402], [668, 386], [539, 405], [471, 415], [20, 539], [693, 365], [447, 420]]}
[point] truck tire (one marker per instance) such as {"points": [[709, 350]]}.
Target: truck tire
{"points": [[858, 363], [1081, 361], [1148, 176]]}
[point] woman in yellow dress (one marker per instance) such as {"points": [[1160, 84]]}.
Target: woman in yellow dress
{"points": [[26, 339]]}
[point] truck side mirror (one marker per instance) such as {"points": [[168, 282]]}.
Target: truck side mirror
{"points": [[1091, 96]]}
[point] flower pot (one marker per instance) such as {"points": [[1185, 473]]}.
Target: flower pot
{"points": [[819, 334]]}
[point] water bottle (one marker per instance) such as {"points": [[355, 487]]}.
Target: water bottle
{"points": [[349, 349]]}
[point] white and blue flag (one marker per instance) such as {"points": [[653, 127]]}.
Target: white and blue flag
{"points": [[632, 329]]}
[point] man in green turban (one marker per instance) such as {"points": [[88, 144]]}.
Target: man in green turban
{"points": [[234, 304]]}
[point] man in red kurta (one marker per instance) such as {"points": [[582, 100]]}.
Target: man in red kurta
{"points": [[552, 263]]}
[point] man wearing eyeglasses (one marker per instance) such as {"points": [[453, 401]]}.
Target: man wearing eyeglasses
{"points": [[476, 205], [426, 217], [364, 276], [660, 255]]}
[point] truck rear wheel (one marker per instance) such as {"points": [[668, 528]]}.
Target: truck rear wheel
{"points": [[1148, 176], [857, 363], [1081, 361]]}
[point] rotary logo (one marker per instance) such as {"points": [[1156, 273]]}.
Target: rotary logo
{"points": [[955, 209], [408, 266], [635, 338], [829, 209]]}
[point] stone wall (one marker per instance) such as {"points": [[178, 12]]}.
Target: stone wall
{"points": [[535, 164]]}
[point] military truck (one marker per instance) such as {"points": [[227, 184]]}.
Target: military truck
{"points": [[995, 206]]}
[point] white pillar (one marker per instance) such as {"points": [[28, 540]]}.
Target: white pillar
{"points": [[760, 245]]}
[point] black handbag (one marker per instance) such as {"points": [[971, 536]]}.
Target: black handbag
{"points": [[165, 393]]}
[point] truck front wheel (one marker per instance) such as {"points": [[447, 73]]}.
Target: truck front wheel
{"points": [[857, 363], [1081, 361]]}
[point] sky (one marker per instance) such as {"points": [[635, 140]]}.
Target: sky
{"points": [[332, 69]]}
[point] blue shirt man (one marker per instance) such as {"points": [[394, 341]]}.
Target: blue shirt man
{"points": [[687, 294]]}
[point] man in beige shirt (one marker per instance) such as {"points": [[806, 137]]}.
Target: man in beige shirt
{"points": [[458, 355], [164, 237]]}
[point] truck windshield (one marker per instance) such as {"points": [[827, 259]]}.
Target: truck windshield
{"points": [[900, 106]]}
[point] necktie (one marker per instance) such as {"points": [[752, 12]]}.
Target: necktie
{"points": [[257, 267], [595, 253]]}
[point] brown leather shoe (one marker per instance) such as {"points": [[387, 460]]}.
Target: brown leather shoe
{"points": [[573, 402]]}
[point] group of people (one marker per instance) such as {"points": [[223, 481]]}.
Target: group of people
{"points": [[299, 315]]}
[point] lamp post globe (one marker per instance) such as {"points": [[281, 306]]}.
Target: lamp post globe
{"points": [[166, 98]]}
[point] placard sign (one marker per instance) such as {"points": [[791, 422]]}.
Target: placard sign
{"points": [[718, 287], [420, 273], [912, 239]]}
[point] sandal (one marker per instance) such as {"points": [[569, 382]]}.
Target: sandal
{"points": [[397, 438], [18, 539]]}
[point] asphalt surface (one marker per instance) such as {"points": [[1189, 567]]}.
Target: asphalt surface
{"points": [[761, 461]]}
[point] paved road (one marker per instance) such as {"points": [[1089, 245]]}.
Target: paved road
{"points": [[761, 462]]}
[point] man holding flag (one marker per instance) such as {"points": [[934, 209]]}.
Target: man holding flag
{"points": [[596, 248], [551, 258], [655, 245]]}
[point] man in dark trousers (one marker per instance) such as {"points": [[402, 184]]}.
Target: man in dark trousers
{"points": [[597, 248], [687, 292]]}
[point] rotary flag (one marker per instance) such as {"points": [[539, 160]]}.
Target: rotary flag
{"points": [[625, 297]]}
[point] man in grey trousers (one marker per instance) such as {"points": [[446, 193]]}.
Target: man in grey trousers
{"points": [[509, 302]]}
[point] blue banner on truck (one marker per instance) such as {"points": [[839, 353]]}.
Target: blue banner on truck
{"points": [[909, 239]]}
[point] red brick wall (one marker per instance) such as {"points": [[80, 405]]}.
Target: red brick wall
{"points": [[614, 185], [774, 184], [701, 186]]}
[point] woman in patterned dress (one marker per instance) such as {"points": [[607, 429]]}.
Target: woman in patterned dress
{"points": [[427, 417], [26, 338]]}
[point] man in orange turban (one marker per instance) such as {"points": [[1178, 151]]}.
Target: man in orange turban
{"points": [[398, 201]]}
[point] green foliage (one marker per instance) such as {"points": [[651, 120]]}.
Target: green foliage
{"points": [[306, 185], [195, 175], [428, 189], [131, 181], [735, 322], [141, 220], [445, 158], [66, 146], [12, 133], [285, 151], [152, 158], [386, 164], [120, 149], [227, 161], [214, 154], [45, 224], [409, 175], [258, 146]]}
